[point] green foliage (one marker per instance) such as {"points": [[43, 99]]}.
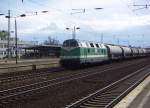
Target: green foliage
{"points": [[3, 34]]}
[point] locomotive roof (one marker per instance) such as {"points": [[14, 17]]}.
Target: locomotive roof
{"points": [[83, 43]]}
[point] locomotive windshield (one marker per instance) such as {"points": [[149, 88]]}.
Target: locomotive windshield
{"points": [[70, 43]]}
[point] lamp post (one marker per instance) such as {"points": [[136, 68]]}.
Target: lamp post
{"points": [[8, 43], [16, 45], [16, 38], [73, 31]]}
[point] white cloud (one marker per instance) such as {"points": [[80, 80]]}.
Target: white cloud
{"points": [[116, 16], [59, 13], [118, 22], [110, 18]]}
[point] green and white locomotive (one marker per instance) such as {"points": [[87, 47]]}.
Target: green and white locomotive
{"points": [[75, 53]]}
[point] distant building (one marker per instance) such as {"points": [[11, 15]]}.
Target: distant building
{"points": [[21, 44], [40, 51]]}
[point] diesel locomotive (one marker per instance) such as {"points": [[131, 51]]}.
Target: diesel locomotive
{"points": [[75, 52]]}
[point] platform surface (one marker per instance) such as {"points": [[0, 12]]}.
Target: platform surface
{"points": [[143, 99], [137, 98]]}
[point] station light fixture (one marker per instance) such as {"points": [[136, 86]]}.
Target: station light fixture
{"points": [[98, 8], [23, 15], [67, 28], [7, 16], [2, 14], [44, 11]]}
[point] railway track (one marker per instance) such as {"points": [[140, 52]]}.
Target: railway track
{"points": [[29, 75], [32, 74], [27, 91], [33, 77], [113, 93], [41, 76]]}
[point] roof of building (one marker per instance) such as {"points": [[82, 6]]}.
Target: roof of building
{"points": [[40, 47]]}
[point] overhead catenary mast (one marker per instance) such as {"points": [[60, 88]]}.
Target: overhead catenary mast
{"points": [[142, 6], [8, 38]]}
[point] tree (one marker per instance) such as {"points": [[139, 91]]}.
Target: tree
{"points": [[3, 34], [51, 41]]}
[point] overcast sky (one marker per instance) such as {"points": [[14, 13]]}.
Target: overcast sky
{"points": [[118, 21]]}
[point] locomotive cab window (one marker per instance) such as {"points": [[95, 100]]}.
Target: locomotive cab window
{"points": [[97, 45], [88, 50], [70, 43], [91, 44]]}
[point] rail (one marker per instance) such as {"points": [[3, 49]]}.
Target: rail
{"points": [[62, 79], [112, 94], [27, 91]]}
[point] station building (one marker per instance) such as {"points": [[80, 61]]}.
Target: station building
{"points": [[20, 44], [42, 51]]}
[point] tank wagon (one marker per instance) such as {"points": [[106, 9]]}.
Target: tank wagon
{"points": [[127, 52], [114, 52], [147, 51], [141, 52], [135, 52], [75, 52], [144, 52]]}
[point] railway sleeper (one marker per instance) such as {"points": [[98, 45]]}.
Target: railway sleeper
{"points": [[95, 105], [130, 83], [107, 92], [8, 101], [5, 105], [114, 92], [120, 89], [4, 102], [87, 107], [12, 101], [105, 96], [98, 100]]}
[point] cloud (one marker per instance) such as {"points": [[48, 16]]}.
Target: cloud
{"points": [[116, 16], [118, 22], [59, 13]]}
